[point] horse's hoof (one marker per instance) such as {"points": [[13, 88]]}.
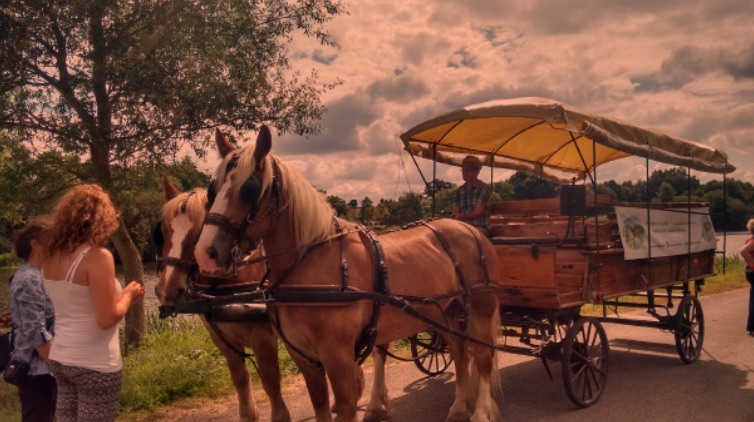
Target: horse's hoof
{"points": [[376, 415], [458, 417]]}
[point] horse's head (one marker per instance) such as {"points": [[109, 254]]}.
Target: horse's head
{"points": [[175, 236], [243, 201]]}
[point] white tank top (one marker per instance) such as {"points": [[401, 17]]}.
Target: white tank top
{"points": [[78, 339]]}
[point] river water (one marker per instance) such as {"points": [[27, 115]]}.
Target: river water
{"points": [[733, 243]]}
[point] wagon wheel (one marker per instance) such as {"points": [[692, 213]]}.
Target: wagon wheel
{"points": [[585, 361], [430, 353], [689, 329]]}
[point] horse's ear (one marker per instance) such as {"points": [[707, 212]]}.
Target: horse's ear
{"points": [[223, 145], [168, 188], [264, 144]]}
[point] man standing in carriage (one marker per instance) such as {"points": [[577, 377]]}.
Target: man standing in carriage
{"points": [[471, 199]]}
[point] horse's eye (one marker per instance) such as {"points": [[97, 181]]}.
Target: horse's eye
{"points": [[250, 190], [157, 237]]}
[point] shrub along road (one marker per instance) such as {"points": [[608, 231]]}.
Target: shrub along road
{"points": [[647, 380]]}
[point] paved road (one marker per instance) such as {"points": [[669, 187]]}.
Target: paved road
{"points": [[647, 380]]}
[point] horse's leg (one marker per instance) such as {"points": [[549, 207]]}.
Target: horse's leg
{"points": [[316, 385], [378, 407], [458, 410], [344, 375], [239, 374], [264, 342], [484, 366]]}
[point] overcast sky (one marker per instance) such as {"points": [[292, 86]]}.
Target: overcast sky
{"points": [[684, 67]]}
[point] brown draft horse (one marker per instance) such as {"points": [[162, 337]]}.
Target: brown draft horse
{"points": [[182, 217], [445, 270]]}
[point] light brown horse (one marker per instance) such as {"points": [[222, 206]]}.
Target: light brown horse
{"points": [[441, 273], [182, 218]]}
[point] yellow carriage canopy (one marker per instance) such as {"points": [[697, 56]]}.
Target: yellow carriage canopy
{"points": [[550, 138]]}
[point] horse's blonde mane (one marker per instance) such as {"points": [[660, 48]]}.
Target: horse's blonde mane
{"points": [[194, 201], [311, 214]]}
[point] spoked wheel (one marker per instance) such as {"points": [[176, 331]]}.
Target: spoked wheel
{"points": [[689, 329], [585, 361], [430, 352]]}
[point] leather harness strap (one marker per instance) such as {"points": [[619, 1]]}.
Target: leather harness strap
{"points": [[381, 285], [368, 336], [466, 301], [276, 293]]}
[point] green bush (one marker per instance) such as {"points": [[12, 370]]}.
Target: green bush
{"points": [[9, 259]]}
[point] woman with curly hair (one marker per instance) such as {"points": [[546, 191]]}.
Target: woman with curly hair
{"points": [[79, 275]]}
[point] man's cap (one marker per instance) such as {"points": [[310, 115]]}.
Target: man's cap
{"points": [[472, 162]]}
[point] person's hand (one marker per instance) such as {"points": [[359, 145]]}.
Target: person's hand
{"points": [[6, 320], [135, 289]]}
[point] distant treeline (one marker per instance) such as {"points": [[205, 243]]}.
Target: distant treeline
{"points": [[30, 187], [730, 208]]}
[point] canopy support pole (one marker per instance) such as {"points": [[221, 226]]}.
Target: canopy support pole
{"points": [[647, 199], [583, 161], [726, 223], [434, 177], [425, 180], [688, 229]]}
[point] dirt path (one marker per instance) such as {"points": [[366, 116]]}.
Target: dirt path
{"points": [[646, 376]]}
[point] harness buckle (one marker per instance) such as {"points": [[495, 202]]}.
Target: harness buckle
{"points": [[267, 296]]}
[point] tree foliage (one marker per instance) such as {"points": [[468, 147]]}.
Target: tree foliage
{"points": [[438, 185], [528, 186], [366, 215], [129, 82], [137, 80], [339, 205]]}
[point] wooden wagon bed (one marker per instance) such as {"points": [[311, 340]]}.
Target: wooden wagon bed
{"points": [[550, 261]]}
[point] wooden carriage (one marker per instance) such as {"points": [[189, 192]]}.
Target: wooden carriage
{"points": [[558, 254]]}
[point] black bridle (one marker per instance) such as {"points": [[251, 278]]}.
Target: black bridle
{"points": [[251, 193]]}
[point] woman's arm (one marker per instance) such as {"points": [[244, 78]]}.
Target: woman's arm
{"points": [[746, 253], [30, 300], [109, 307]]}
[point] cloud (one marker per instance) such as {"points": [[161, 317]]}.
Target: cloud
{"points": [[340, 128], [688, 63], [324, 57], [397, 88], [688, 71]]}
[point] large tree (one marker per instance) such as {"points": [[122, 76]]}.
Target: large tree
{"points": [[125, 82]]}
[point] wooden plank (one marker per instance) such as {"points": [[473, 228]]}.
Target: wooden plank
{"points": [[536, 298], [554, 229], [524, 266], [545, 206], [527, 207]]}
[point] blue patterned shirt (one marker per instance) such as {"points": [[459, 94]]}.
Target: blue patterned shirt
{"points": [[467, 199], [33, 317]]}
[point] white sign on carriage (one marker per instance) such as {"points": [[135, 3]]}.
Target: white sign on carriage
{"points": [[668, 231]]}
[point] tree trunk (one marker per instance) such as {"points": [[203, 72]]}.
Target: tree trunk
{"points": [[136, 323]]}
